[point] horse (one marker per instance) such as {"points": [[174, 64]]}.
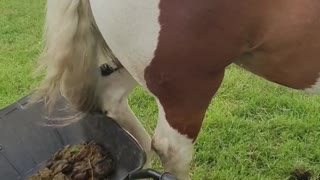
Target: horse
{"points": [[178, 52]]}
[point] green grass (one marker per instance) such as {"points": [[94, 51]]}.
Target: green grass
{"points": [[253, 129]]}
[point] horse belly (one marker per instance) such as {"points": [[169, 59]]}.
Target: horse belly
{"points": [[289, 47], [292, 64], [131, 30], [294, 70]]}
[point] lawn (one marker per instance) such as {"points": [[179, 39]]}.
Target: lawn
{"points": [[253, 129]]}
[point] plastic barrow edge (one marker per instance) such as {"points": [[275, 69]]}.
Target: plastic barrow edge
{"points": [[138, 173]]}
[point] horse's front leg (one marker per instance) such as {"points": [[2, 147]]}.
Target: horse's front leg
{"points": [[182, 105], [115, 90]]}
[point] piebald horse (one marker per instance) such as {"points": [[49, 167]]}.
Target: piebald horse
{"points": [[177, 50]]}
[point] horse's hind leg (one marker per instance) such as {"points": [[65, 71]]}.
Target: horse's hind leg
{"points": [[181, 111], [115, 90]]}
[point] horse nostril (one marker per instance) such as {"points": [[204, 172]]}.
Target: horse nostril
{"points": [[106, 112]]}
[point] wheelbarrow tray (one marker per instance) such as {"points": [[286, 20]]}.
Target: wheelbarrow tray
{"points": [[26, 143]]}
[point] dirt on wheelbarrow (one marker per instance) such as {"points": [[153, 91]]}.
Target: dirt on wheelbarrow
{"points": [[87, 161]]}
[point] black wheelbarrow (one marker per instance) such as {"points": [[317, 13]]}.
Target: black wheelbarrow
{"points": [[26, 144]]}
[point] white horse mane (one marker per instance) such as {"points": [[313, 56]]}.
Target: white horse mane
{"points": [[73, 50]]}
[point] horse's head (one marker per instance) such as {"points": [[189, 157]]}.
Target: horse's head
{"points": [[113, 88]]}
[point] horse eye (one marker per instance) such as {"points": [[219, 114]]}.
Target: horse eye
{"points": [[106, 69], [106, 112]]}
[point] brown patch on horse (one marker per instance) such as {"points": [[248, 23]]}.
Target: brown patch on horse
{"points": [[280, 42], [197, 41], [286, 44]]}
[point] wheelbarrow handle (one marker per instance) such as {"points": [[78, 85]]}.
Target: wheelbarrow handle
{"points": [[150, 173], [167, 176]]}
